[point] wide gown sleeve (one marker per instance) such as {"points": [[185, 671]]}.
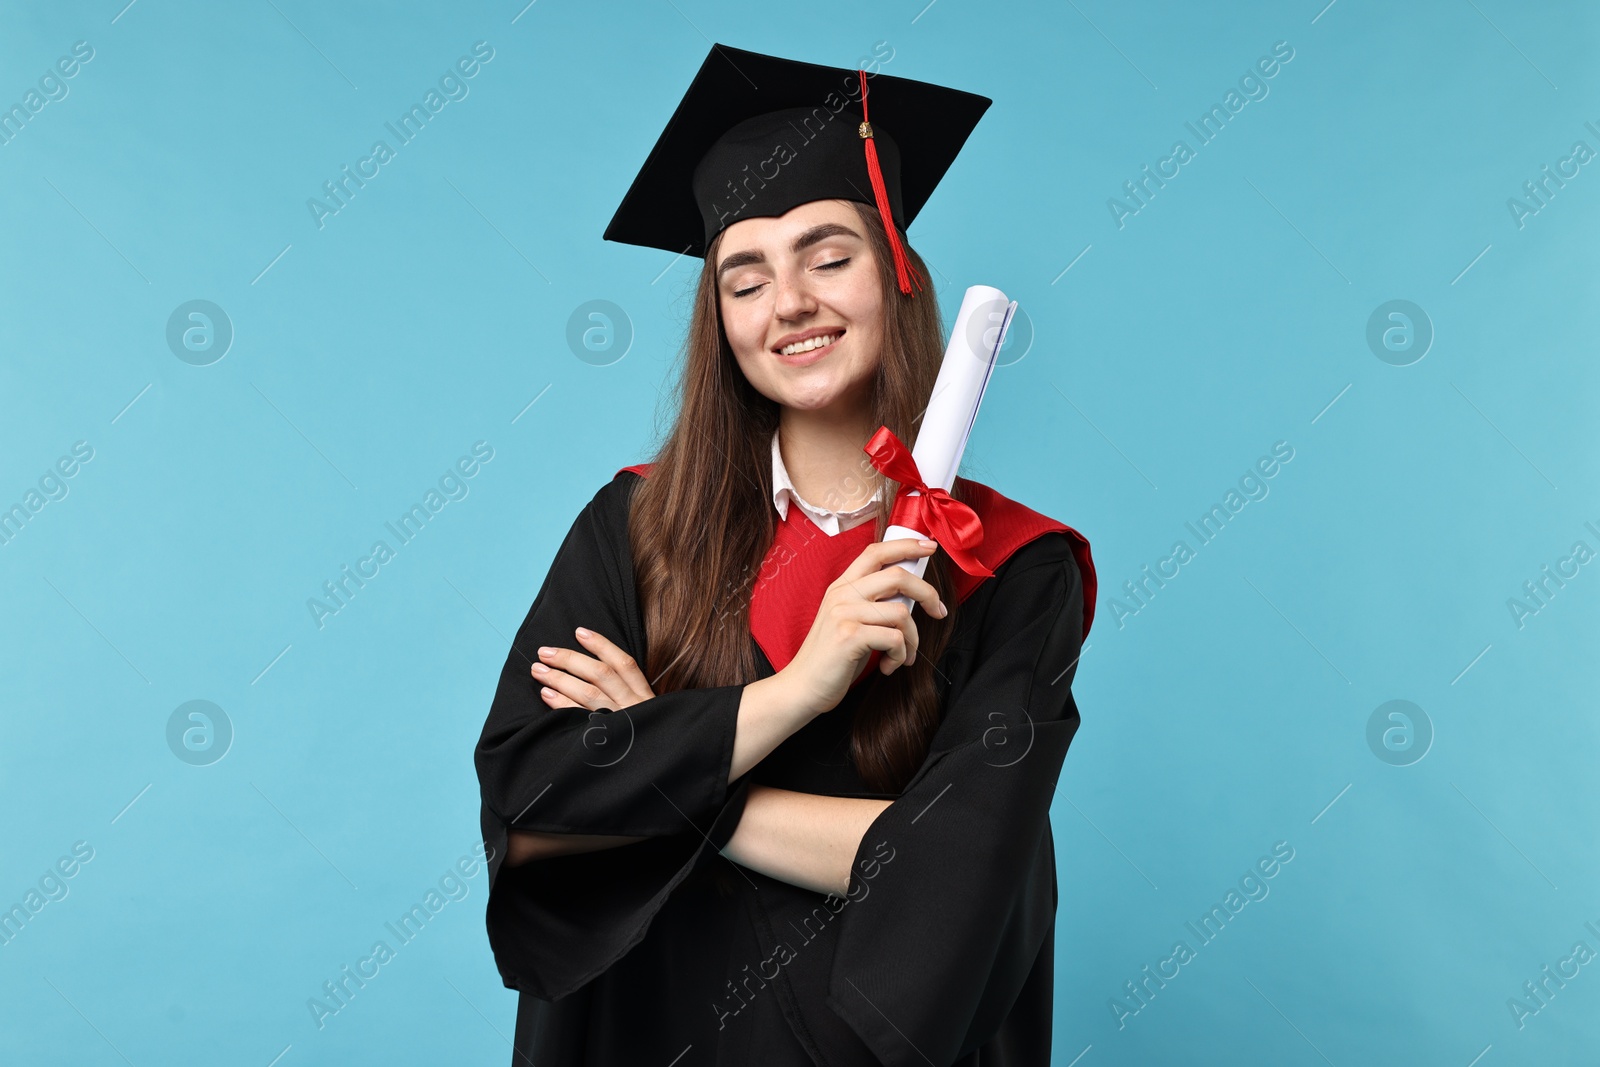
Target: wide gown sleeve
{"points": [[657, 769], [645, 771], [935, 945]]}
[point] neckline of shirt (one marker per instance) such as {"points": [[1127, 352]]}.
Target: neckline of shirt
{"points": [[829, 522]]}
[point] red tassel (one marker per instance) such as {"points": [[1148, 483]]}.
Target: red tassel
{"points": [[904, 270]]}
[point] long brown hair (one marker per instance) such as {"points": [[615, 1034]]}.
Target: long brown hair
{"points": [[702, 522]]}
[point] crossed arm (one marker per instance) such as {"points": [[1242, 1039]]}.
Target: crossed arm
{"points": [[801, 838]]}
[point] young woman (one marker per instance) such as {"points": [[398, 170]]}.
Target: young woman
{"points": [[744, 808]]}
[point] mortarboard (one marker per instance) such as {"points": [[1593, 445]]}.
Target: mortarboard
{"points": [[756, 135]]}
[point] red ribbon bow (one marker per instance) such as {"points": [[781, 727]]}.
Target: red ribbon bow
{"points": [[945, 519]]}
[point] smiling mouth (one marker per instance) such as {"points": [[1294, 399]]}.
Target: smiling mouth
{"points": [[810, 343]]}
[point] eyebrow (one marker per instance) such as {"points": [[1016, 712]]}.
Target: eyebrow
{"points": [[805, 240]]}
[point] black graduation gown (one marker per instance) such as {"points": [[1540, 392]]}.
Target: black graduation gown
{"points": [[666, 952]]}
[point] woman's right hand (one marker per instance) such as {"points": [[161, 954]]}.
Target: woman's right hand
{"points": [[854, 619]]}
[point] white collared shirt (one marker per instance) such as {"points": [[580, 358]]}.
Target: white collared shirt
{"points": [[831, 523]]}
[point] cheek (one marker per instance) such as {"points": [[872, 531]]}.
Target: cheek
{"points": [[866, 293], [868, 354], [868, 330], [863, 306], [744, 337], [744, 329]]}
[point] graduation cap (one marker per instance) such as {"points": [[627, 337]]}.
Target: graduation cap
{"points": [[756, 135]]}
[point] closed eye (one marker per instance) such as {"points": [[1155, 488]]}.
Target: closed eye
{"points": [[835, 265]]}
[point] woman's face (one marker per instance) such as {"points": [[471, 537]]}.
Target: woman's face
{"points": [[783, 282]]}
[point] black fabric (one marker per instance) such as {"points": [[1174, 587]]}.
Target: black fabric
{"points": [[665, 951], [766, 165], [756, 135]]}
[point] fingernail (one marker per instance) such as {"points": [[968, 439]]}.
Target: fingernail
{"points": [[546, 650], [582, 632], [925, 543], [540, 668]]}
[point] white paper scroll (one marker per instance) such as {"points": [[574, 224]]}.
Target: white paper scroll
{"points": [[980, 330]]}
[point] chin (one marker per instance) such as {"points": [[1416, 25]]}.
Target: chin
{"points": [[822, 385], [818, 396], [808, 401]]}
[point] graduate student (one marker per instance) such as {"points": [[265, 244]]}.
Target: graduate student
{"points": [[744, 807]]}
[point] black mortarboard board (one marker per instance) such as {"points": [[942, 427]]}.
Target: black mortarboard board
{"points": [[756, 135]]}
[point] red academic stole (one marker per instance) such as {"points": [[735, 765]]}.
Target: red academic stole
{"points": [[803, 561]]}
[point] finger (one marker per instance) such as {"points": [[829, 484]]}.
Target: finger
{"points": [[878, 620], [578, 692], [625, 666], [552, 685], [892, 641], [600, 676], [880, 554], [923, 592], [899, 654], [891, 580], [554, 699]]}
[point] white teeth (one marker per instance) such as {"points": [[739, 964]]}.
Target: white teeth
{"points": [[806, 346]]}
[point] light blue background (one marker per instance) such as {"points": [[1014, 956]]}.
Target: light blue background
{"points": [[1230, 313]]}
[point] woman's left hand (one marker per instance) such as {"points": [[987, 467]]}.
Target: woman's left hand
{"points": [[607, 679]]}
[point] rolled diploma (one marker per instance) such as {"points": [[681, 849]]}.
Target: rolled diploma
{"points": [[975, 340]]}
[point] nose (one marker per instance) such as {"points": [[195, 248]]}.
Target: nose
{"points": [[793, 296]]}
